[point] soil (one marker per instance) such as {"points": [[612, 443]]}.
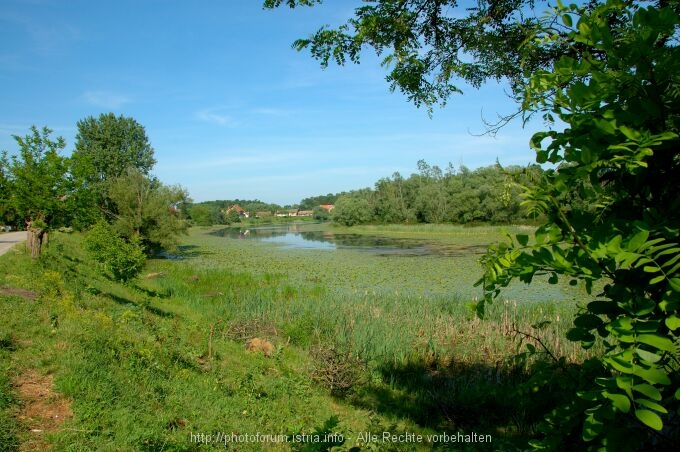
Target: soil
{"points": [[43, 409]]}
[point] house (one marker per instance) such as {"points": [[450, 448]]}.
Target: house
{"points": [[263, 214], [327, 207], [238, 209], [305, 213], [288, 213]]}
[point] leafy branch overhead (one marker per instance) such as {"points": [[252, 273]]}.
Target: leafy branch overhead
{"points": [[432, 48], [604, 77], [619, 97]]}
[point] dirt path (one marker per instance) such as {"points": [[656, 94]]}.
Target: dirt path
{"points": [[9, 239]]}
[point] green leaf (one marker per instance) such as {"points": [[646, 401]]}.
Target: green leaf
{"points": [[590, 396], [620, 401], [647, 356], [523, 239], [657, 341], [587, 321], [631, 134], [673, 322], [603, 307], [579, 335], [591, 428], [619, 364], [625, 383], [651, 405], [648, 390], [649, 418], [566, 20], [675, 284], [657, 279], [637, 240], [653, 376]]}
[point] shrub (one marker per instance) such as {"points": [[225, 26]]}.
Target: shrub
{"points": [[120, 259]]}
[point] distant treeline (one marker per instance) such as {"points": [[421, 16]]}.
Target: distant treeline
{"points": [[489, 194], [486, 195], [215, 212]]}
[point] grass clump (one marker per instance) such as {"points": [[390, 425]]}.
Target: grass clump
{"points": [[9, 439]]}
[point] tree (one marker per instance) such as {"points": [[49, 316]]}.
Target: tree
{"points": [[352, 209], [37, 184], [620, 97], [106, 147], [147, 210], [608, 70], [6, 214], [201, 215]]}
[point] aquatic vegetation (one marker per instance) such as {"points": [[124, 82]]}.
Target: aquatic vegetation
{"points": [[354, 340]]}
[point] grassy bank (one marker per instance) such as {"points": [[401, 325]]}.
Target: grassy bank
{"points": [[358, 343]]}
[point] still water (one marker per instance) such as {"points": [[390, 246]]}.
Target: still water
{"points": [[302, 237]]}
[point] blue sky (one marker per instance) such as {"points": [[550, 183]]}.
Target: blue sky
{"points": [[231, 110]]}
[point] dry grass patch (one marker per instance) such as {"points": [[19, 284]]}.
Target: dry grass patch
{"points": [[15, 291], [260, 345], [43, 410]]}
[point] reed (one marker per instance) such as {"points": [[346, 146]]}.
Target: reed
{"points": [[359, 342]]}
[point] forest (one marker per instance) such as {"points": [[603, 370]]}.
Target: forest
{"points": [[486, 195]]}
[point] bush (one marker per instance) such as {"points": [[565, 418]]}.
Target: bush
{"points": [[351, 210], [120, 259]]}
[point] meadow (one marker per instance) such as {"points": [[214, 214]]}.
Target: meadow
{"points": [[358, 344]]}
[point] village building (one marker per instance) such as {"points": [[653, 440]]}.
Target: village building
{"points": [[239, 210]]}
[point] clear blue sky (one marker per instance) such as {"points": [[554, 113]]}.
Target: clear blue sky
{"points": [[230, 109]]}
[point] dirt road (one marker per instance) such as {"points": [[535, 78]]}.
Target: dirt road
{"points": [[9, 239]]}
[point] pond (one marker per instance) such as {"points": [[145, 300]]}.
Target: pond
{"points": [[304, 237]]}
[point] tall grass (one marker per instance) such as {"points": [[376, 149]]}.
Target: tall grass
{"points": [[148, 363]]}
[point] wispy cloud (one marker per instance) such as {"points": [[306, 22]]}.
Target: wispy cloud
{"points": [[47, 36], [214, 116], [106, 99], [241, 160]]}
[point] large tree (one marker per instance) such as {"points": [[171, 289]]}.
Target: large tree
{"points": [[37, 184], [106, 147], [608, 70]]}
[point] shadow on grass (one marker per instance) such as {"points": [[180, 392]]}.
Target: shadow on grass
{"points": [[183, 252], [151, 292], [322, 438], [126, 302], [460, 397]]}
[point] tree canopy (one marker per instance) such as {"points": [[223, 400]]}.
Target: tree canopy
{"points": [[108, 145], [107, 179], [490, 194], [36, 183], [604, 76], [147, 210], [432, 47]]}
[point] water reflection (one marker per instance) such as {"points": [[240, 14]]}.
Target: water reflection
{"points": [[296, 236]]}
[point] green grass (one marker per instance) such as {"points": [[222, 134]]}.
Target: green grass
{"points": [[362, 342]]}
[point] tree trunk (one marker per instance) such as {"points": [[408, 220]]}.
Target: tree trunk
{"points": [[34, 241]]}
